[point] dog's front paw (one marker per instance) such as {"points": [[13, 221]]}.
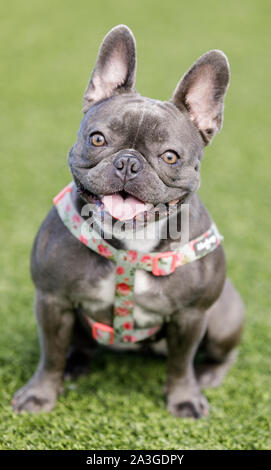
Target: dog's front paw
{"points": [[193, 407], [35, 396]]}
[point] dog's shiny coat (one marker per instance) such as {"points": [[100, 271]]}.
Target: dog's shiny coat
{"points": [[200, 307]]}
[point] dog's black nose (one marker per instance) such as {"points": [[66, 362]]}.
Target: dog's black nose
{"points": [[127, 166]]}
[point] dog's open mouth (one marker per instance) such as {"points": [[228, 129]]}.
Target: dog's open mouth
{"points": [[124, 206]]}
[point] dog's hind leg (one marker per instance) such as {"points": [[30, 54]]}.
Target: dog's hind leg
{"points": [[219, 345]]}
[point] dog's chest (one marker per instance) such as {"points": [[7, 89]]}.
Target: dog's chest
{"points": [[150, 307], [151, 304]]}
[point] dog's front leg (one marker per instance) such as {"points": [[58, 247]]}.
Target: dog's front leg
{"points": [[55, 320], [184, 333]]}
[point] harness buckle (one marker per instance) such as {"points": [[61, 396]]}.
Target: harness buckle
{"points": [[107, 329], [155, 267]]}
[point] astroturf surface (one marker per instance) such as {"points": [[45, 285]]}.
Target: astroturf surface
{"points": [[47, 52]]}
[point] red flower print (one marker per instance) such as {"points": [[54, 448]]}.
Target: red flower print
{"points": [[192, 244], [146, 259], [127, 326], [120, 270], [123, 288], [83, 240], [132, 256], [129, 338], [122, 311], [152, 330], [94, 240], [103, 250], [76, 218], [68, 208], [129, 303]]}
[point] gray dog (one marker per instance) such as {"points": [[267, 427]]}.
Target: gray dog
{"points": [[136, 163]]}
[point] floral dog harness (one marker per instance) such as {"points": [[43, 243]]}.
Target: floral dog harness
{"points": [[127, 261]]}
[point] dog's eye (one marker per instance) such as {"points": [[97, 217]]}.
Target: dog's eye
{"points": [[97, 139], [170, 157]]}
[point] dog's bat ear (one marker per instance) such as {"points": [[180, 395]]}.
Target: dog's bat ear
{"points": [[201, 92], [115, 68]]}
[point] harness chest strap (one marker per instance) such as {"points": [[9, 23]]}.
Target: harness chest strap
{"points": [[127, 261]]}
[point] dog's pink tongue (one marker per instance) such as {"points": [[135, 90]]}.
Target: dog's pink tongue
{"points": [[123, 209]]}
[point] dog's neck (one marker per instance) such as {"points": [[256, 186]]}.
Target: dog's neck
{"points": [[147, 240], [152, 238]]}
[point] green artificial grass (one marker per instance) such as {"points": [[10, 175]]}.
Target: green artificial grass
{"points": [[48, 50]]}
